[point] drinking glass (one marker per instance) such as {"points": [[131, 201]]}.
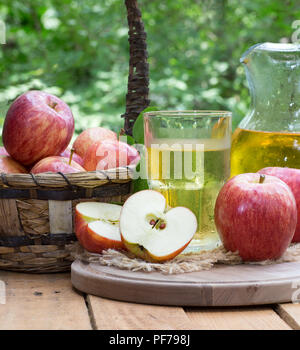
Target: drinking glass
{"points": [[188, 161]]}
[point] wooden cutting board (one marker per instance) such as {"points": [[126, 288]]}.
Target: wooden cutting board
{"points": [[224, 285]]}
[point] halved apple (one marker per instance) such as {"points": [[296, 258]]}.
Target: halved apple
{"points": [[153, 233], [97, 226]]}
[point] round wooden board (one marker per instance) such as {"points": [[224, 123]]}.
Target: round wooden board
{"points": [[224, 285]]}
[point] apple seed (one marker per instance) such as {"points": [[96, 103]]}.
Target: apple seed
{"points": [[162, 226], [152, 222]]}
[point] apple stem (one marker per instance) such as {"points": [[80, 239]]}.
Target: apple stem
{"points": [[155, 223], [53, 105], [262, 178], [71, 156]]}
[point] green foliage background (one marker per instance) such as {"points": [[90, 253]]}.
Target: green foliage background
{"points": [[78, 50]]}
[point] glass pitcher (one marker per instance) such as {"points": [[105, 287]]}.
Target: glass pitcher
{"points": [[269, 135]]}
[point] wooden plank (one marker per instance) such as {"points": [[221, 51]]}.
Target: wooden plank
{"points": [[290, 313], [60, 216], [110, 314], [9, 218], [42, 302], [255, 318]]}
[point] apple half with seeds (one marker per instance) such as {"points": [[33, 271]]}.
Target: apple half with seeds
{"points": [[153, 233], [97, 226]]}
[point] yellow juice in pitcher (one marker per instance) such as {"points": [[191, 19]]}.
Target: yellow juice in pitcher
{"points": [[253, 150], [208, 163]]}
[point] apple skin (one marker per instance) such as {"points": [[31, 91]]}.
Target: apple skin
{"points": [[3, 151], [90, 136], [142, 253], [292, 178], [56, 164], [110, 154], [81, 224], [37, 125], [9, 166], [95, 243], [256, 219], [90, 240], [67, 152]]}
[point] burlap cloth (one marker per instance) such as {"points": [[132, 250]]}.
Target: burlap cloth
{"points": [[182, 263]]}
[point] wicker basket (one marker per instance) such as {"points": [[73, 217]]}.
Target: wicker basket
{"points": [[36, 211]]}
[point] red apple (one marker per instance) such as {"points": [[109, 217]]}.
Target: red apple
{"points": [[110, 154], [56, 164], [256, 215], [97, 226], [292, 178], [3, 151], [67, 153], [90, 136], [37, 125], [9, 166]]}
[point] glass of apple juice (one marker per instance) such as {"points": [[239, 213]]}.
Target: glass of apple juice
{"points": [[188, 161]]}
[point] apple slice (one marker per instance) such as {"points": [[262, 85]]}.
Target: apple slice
{"points": [[152, 233], [97, 226], [92, 211], [103, 235]]}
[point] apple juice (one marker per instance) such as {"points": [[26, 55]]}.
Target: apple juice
{"points": [[196, 189], [254, 150]]}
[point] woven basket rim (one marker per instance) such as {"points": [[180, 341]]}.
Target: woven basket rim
{"points": [[88, 179]]}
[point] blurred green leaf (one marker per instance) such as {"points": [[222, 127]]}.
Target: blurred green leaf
{"points": [[130, 140], [138, 127], [140, 185]]}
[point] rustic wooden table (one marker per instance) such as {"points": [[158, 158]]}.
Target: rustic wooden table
{"points": [[48, 302]]}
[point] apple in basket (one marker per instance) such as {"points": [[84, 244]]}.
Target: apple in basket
{"points": [[56, 164], [37, 125], [70, 153], [97, 226], [3, 151], [109, 154], [292, 178], [9, 166], [256, 215], [90, 136], [152, 232]]}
